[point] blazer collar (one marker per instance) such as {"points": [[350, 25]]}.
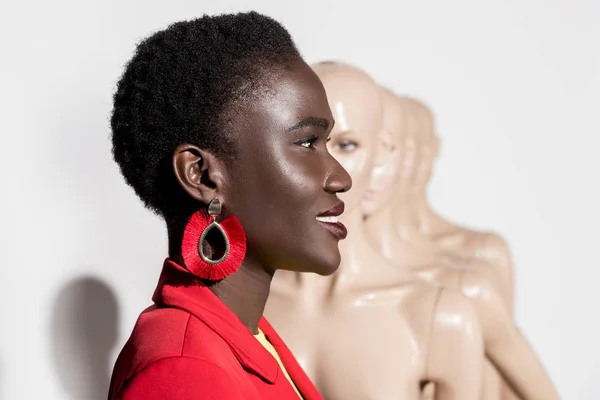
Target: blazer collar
{"points": [[299, 377], [177, 287]]}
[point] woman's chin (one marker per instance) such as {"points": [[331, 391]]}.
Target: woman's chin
{"points": [[323, 267], [330, 266], [323, 262]]}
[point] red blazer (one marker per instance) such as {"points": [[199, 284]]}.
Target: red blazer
{"points": [[190, 345]]}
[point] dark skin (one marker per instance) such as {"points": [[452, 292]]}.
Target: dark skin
{"points": [[282, 178]]}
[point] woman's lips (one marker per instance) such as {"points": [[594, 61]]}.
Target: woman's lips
{"points": [[334, 211], [336, 228], [329, 221]]}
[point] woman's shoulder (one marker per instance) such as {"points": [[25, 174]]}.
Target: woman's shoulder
{"points": [[169, 336], [170, 332]]}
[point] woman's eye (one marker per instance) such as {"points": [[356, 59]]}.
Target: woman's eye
{"points": [[308, 143]]}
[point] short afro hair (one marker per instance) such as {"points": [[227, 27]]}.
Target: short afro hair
{"points": [[178, 87]]}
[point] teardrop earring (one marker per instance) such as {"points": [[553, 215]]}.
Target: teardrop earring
{"points": [[195, 236]]}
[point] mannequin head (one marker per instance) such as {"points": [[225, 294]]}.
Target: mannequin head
{"points": [[386, 165], [409, 155], [394, 177], [427, 143], [357, 107]]}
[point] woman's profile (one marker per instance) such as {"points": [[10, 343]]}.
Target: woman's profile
{"points": [[220, 127]]}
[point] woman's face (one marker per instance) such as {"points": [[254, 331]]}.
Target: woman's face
{"points": [[283, 178], [386, 165]]}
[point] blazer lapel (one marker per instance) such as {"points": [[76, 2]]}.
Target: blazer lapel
{"points": [[301, 380]]}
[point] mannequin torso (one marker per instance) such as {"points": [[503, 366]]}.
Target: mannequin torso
{"points": [[374, 332]]}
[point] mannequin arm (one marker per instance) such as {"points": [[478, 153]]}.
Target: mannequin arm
{"points": [[455, 358], [496, 252], [506, 348]]}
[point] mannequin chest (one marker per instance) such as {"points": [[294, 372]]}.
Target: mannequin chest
{"points": [[354, 346]]}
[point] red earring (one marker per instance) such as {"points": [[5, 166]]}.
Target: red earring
{"points": [[192, 250]]}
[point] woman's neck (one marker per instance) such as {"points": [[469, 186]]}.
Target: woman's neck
{"points": [[244, 292]]}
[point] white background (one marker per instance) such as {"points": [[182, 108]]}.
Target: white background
{"points": [[515, 85]]}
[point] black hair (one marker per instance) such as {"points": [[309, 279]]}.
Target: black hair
{"points": [[178, 88]]}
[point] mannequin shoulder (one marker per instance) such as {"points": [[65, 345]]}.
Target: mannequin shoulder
{"points": [[453, 312], [475, 243], [438, 304], [431, 307], [477, 285], [492, 310], [492, 240], [491, 246]]}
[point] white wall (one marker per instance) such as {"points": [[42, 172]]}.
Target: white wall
{"points": [[516, 88]]}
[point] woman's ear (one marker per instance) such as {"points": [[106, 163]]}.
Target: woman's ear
{"points": [[199, 172]]}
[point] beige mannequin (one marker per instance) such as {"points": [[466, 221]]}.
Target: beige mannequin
{"points": [[484, 246], [400, 161], [386, 206], [416, 248], [371, 331]]}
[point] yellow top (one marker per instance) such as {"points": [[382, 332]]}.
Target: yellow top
{"points": [[267, 345]]}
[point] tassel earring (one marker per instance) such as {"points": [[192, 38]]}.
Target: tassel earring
{"points": [[196, 232]]}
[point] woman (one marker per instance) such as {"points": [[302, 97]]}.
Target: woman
{"points": [[220, 127]]}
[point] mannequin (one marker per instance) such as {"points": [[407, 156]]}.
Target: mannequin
{"points": [[485, 246], [372, 331], [398, 151], [386, 205], [414, 247]]}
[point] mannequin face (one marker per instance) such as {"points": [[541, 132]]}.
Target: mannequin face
{"points": [[396, 179], [409, 154], [356, 104], [388, 157], [427, 145]]}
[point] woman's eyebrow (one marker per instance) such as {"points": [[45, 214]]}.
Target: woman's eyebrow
{"points": [[311, 121]]}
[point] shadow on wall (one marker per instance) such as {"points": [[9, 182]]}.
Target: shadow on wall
{"points": [[85, 329]]}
